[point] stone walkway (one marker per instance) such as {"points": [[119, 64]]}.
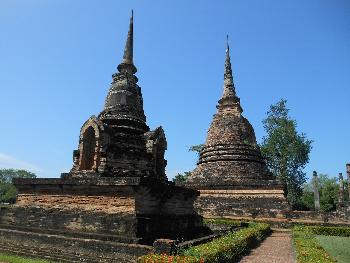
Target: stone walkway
{"points": [[277, 248]]}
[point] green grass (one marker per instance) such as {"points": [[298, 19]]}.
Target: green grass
{"points": [[308, 248], [18, 259], [337, 247]]}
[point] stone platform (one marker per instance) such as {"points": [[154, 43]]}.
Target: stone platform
{"points": [[242, 203], [97, 217]]}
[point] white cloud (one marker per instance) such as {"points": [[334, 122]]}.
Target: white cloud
{"points": [[7, 161]]}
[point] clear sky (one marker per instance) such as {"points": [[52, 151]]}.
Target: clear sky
{"points": [[57, 58]]}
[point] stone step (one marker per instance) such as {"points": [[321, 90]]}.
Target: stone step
{"points": [[68, 249], [77, 234], [27, 252], [56, 257]]}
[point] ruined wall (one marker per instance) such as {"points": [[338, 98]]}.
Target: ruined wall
{"points": [[242, 203], [134, 210]]}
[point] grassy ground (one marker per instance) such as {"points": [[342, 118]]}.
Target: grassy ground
{"points": [[18, 259], [337, 247], [308, 248]]}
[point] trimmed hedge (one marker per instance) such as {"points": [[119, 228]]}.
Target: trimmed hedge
{"points": [[226, 222], [330, 231], [164, 258], [227, 248], [307, 247], [230, 247]]}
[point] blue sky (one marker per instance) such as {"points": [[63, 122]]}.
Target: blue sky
{"points": [[57, 58]]}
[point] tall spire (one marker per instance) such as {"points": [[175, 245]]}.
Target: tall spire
{"points": [[229, 88], [229, 99], [128, 51], [127, 63]]}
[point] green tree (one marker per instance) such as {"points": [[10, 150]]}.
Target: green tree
{"points": [[180, 178], [196, 148], [307, 198], [328, 189], [286, 151], [8, 191], [329, 192]]}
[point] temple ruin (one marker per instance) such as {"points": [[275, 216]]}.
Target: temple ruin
{"points": [[231, 174], [116, 200]]}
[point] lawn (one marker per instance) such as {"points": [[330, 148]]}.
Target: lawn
{"points": [[18, 259], [337, 247]]}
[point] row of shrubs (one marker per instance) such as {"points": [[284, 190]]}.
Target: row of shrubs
{"points": [[229, 222], [307, 247], [329, 231], [227, 248]]}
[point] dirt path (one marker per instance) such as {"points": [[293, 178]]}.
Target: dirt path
{"points": [[277, 248]]}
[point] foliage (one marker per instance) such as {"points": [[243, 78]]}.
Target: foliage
{"points": [[8, 191], [328, 189], [286, 150], [227, 248], [329, 194], [164, 258], [225, 222], [329, 230], [307, 199], [337, 247], [196, 148], [230, 247], [180, 178], [6, 175], [307, 247]]}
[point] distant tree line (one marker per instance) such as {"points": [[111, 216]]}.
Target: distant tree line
{"points": [[8, 191], [329, 193]]}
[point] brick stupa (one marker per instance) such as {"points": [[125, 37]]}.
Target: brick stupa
{"points": [[116, 200], [231, 174]]}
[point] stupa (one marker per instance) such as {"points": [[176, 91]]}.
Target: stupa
{"points": [[116, 200], [231, 173]]}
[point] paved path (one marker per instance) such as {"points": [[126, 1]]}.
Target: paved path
{"points": [[277, 248]]}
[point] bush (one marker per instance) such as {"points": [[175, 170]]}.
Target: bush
{"points": [[230, 247], [157, 258], [330, 231], [308, 249], [226, 222], [227, 248]]}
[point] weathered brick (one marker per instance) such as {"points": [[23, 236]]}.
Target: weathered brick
{"points": [[231, 174]]}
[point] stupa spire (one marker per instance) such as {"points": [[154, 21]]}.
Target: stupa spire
{"points": [[229, 98], [128, 51], [229, 88], [128, 58]]}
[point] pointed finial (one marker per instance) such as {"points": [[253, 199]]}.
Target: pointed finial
{"points": [[127, 64], [227, 45], [129, 45], [229, 98], [229, 88]]}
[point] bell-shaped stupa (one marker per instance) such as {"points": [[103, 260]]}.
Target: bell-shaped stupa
{"points": [[231, 174]]}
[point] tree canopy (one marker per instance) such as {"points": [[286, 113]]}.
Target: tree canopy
{"points": [[286, 150], [196, 148], [180, 178], [329, 192], [8, 191]]}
